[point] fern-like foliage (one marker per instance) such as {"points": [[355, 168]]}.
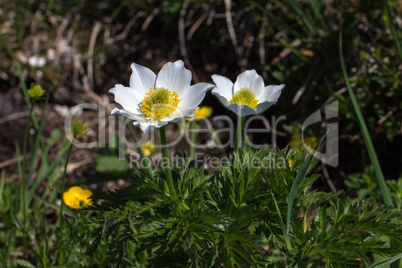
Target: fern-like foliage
{"points": [[228, 218]]}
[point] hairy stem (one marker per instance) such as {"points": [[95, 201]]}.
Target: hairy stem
{"points": [[166, 164], [24, 207], [239, 132], [64, 182]]}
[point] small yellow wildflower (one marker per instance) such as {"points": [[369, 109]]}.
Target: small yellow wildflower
{"points": [[148, 148], [297, 143], [36, 92], [202, 113], [75, 195]]}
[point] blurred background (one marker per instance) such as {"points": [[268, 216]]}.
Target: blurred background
{"points": [[79, 49]]}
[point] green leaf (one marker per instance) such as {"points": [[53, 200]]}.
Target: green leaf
{"points": [[25, 263], [284, 230], [111, 165], [387, 262], [365, 133], [299, 177]]}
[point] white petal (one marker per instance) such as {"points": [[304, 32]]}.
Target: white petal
{"points": [[224, 87], [251, 80], [156, 123], [146, 124], [225, 102], [175, 77], [194, 95], [271, 93], [261, 107], [179, 113], [143, 125], [241, 110], [188, 114], [192, 114], [127, 114], [127, 97], [142, 79]]}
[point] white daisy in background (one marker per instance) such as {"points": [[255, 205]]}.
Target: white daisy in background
{"points": [[155, 100], [248, 95]]}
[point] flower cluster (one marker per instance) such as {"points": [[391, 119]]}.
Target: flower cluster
{"points": [[155, 100], [75, 196]]}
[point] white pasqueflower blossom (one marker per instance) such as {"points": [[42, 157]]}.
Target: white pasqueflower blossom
{"points": [[155, 100], [248, 95]]}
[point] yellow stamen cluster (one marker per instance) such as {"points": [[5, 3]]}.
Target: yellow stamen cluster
{"points": [[76, 196], [159, 102], [244, 96]]}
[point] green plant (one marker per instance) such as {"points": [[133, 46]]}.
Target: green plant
{"points": [[234, 214], [366, 185]]}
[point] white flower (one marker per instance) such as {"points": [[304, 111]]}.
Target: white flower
{"points": [[155, 100], [247, 95], [36, 61]]}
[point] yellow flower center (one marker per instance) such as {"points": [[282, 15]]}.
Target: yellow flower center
{"points": [[244, 96], [159, 102]]}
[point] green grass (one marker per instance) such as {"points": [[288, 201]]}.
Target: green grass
{"points": [[292, 42]]}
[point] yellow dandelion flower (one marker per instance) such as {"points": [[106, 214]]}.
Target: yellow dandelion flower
{"points": [[75, 195], [201, 114]]}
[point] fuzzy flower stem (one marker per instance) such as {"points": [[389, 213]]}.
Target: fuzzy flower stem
{"points": [[64, 182], [239, 132], [166, 163], [24, 208], [61, 226]]}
